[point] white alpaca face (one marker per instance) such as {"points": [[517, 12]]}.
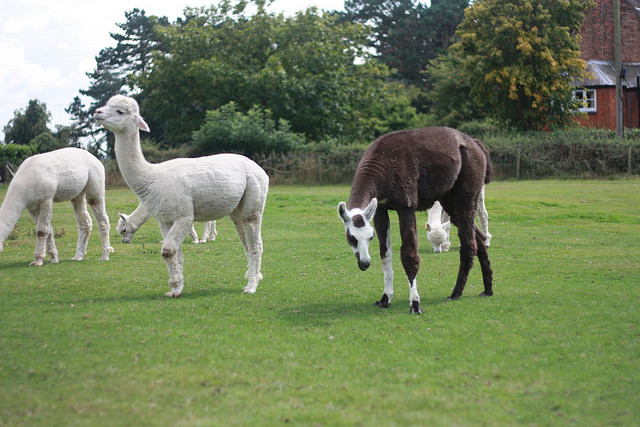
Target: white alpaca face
{"points": [[120, 113], [359, 231], [124, 228]]}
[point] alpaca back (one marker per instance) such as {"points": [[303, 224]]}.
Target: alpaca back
{"points": [[207, 188], [59, 175]]}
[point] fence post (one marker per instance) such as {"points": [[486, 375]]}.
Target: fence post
{"points": [[518, 164], [629, 162], [5, 170]]}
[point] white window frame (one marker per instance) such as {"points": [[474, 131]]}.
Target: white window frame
{"points": [[588, 99]]}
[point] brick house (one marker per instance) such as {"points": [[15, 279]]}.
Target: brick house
{"points": [[597, 93]]}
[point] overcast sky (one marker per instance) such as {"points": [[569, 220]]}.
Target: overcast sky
{"points": [[47, 47]]}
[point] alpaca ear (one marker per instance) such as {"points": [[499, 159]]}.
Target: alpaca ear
{"points": [[123, 216], [446, 225], [142, 124], [427, 227], [342, 211], [371, 209]]}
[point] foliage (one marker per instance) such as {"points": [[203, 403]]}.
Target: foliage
{"points": [[519, 57], [117, 70], [407, 34], [308, 69], [568, 153], [228, 130], [16, 153], [450, 95], [44, 142], [27, 124], [95, 343]]}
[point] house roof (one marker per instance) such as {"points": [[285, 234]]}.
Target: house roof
{"points": [[603, 73]]}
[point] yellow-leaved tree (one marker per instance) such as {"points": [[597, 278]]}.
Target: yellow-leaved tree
{"points": [[519, 58]]}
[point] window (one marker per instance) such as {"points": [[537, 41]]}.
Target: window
{"points": [[586, 99]]}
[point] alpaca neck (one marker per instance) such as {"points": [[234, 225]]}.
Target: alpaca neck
{"points": [[363, 190], [133, 166], [10, 212], [138, 217]]}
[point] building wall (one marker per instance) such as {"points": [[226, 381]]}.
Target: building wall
{"points": [[598, 32], [605, 117], [597, 43]]}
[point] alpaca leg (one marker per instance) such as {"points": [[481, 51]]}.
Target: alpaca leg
{"points": [[44, 235], [194, 235], [210, 231], [173, 236], [51, 249], [104, 227], [253, 251], [381, 224], [213, 230], [485, 264], [446, 245], [83, 221], [409, 255], [205, 232], [483, 218], [468, 249]]}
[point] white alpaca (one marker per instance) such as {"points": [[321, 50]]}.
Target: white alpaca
{"points": [[180, 191], [66, 174], [438, 225], [129, 224]]}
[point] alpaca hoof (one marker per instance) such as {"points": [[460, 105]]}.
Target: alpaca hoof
{"points": [[104, 258], [173, 294], [249, 289], [35, 262], [384, 302], [415, 308], [454, 297], [486, 294], [77, 258], [54, 260]]}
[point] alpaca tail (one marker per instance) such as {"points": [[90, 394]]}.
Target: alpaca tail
{"points": [[489, 168]]}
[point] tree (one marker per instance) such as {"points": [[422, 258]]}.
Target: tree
{"points": [[450, 103], [27, 124], [519, 58], [117, 71], [407, 34], [310, 70]]}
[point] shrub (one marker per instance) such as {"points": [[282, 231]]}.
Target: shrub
{"points": [[228, 130], [16, 153]]}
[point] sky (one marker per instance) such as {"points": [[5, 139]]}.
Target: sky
{"points": [[47, 47]]}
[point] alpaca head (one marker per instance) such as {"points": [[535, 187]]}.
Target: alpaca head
{"points": [[438, 235], [121, 114], [124, 228], [357, 223]]}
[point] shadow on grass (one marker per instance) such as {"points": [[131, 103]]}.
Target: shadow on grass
{"points": [[329, 312]]}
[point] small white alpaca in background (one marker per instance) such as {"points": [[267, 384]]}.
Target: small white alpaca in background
{"points": [[437, 230], [180, 191], [129, 224], [438, 225], [66, 174]]}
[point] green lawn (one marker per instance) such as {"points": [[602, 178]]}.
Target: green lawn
{"points": [[95, 343]]}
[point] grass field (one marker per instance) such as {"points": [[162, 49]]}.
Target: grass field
{"points": [[96, 344]]}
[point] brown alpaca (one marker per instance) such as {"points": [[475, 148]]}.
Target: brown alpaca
{"points": [[407, 171]]}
